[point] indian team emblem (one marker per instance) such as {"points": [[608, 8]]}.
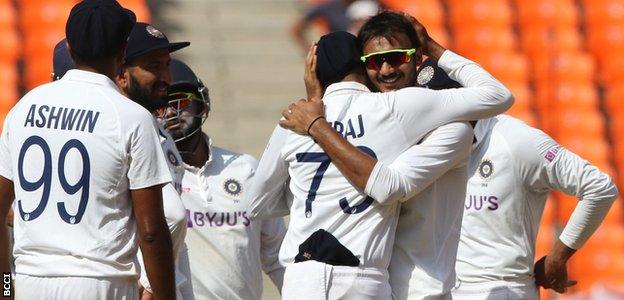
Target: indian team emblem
{"points": [[232, 187], [172, 158], [154, 32], [486, 169], [425, 75]]}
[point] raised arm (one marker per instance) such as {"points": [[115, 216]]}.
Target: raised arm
{"points": [[482, 96]]}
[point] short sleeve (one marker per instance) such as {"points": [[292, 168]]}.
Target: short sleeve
{"points": [[5, 162], [148, 166]]}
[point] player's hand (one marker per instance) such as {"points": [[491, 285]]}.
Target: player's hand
{"points": [[429, 46], [144, 293], [552, 273], [300, 115], [312, 83]]}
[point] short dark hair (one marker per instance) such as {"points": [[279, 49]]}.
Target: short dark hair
{"points": [[388, 24]]}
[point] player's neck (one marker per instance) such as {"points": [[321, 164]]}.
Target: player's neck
{"points": [[194, 150], [107, 70]]}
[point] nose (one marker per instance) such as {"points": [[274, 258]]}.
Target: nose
{"points": [[386, 69], [169, 112]]}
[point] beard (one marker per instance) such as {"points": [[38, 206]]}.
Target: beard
{"points": [[189, 127], [145, 96]]}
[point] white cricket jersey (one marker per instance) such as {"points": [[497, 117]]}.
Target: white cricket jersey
{"points": [[431, 178], [294, 168], [512, 169], [175, 214], [74, 149], [227, 252]]}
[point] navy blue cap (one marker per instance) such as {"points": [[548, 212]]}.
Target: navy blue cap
{"points": [[337, 54], [144, 38], [433, 77], [98, 28], [61, 61]]}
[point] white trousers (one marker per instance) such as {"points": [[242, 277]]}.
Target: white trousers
{"points": [[495, 290], [314, 280], [78, 288]]}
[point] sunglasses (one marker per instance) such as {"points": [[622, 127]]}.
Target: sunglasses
{"points": [[177, 101], [394, 57]]}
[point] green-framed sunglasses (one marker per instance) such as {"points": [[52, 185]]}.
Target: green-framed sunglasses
{"points": [[394, 57]]}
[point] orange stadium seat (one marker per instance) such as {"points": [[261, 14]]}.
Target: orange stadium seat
{"points": [[509, 67], [616, 214], [546, 13], [611, 71], [605, 42], [480, 41], [140, 9], [582, 123], [37, 71], [40, 44], [566, 67], [577, 97], [603, 12], [428, 12], [11, 44], [36, 15], [482, 13], [539, 40], [594, 149], [7, 14], [614, 101]]}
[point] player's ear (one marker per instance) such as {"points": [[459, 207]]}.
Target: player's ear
{"points": [[122, 78]]}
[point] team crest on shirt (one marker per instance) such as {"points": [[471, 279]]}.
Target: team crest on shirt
{"points": [[154, 32], [486, 168], [232, 187], [172, 158], [425, 75]]}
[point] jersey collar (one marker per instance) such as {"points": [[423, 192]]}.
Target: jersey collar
{"points": [[345, 87], [208, 162], [90, 77]]}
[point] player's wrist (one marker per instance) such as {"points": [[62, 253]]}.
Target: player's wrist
{"points": [[311, 128], [560, 253]]}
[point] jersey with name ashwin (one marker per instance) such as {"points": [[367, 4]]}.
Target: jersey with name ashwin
{"points": [[512, 169], [383, 125], [227, 251], [74, 149]]}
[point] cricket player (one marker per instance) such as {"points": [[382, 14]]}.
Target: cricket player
{"points": [[383, 125], [145, 78], [496, 251], [512, 170], [226, 250], [93, 153], [430, 176]]}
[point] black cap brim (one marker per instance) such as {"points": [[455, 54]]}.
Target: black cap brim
{"points": [[171, 46]]}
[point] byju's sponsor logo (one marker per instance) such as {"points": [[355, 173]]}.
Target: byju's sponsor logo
{"points": [[481, 202], [6, 285]]}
